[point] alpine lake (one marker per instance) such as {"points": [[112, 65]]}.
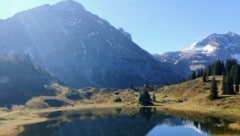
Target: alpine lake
{"points": [[128, 122]]}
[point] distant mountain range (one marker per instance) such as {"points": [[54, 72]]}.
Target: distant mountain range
{"points": [[204, 52], [80, 48], [84, 50]]}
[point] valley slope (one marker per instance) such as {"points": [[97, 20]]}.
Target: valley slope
{"points": [[20, 80]]}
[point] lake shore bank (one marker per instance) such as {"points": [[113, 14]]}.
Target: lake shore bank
{"points": [[12, 122]]}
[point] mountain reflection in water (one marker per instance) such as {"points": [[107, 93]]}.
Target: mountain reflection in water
{"points": [[124, 122]]}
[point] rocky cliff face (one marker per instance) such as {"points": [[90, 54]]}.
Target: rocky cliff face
{"points": [[80, 48]]}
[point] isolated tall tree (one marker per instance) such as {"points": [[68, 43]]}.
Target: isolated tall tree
{"points": [[145, 98], [204, 77], [213, 92]]}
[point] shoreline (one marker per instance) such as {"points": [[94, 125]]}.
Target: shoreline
{"points": [[13, 126]]}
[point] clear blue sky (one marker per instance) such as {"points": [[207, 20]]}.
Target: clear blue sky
{"points": [[156, 25]]}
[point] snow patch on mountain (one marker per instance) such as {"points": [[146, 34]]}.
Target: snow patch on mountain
{"points": [[204, 52], [209, 48]]}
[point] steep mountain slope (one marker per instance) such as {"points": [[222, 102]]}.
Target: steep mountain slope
{"points": [[199, 55], [20, 80], [80, 48]]}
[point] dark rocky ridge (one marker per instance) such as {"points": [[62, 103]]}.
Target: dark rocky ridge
{"points": [[20, 80]]}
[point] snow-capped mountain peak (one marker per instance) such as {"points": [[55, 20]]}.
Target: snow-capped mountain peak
{"points": [[204, 52]]}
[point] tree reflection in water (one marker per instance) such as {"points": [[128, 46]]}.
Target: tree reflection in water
{"points": [[121, 121]]}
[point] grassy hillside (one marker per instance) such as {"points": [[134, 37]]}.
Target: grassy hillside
{"points": [[193, 95], [88, 96], [22, 83], [188, 99]]}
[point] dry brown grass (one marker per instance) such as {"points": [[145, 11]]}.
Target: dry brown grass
{"points": [[235, 126], [193, 96], [11, 122], [189, 99]]}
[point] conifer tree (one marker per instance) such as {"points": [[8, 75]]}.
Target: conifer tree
{"points": [[200, 72], [194, 75], [228, 85], [229, 64], [218, 67], [183, 79], [236, 77], [222, 67], [209, 70], [145, 98], [213, 93], [223, 84], [204, 77]]}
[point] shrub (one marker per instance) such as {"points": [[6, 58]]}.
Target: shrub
{"points": [[118, 99]]}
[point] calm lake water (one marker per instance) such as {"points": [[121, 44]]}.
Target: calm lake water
{"points": [[126, 122]]}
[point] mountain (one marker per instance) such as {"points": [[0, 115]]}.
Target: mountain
{"points": [[204, 52], [20, 80], [80, 48]]}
